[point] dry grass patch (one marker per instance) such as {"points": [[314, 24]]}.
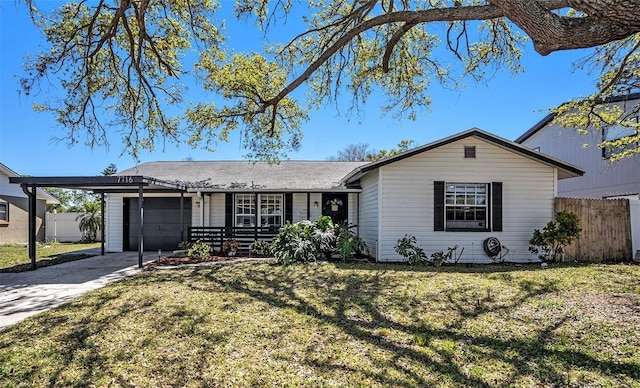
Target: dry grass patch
{"points": [[339, 325]]}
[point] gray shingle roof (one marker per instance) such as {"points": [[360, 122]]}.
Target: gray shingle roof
{"points": [[245, 175]]}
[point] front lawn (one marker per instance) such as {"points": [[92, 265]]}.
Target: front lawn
{"points": [[257, 324], [15, 257]]}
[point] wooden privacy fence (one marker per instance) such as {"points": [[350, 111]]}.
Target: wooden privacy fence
{"points": [[606, 229]]}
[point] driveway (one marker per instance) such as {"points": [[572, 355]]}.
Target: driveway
{"points": [[25, 294]]}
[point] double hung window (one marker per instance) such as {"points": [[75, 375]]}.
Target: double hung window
{"points": [[269, 211], [466, 205], [4, 212]]}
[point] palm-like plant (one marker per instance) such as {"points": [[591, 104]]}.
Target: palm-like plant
{"points": [[90, 221]]}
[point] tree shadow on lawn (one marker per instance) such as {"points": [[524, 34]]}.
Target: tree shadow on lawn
{"points": [[47, 261], [435, 352]]}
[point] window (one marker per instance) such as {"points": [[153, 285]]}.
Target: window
{"points": [[617, 132], [271, 210], [469, 152], [4, 212], [466, 206], [269, 213], [245, 210]]}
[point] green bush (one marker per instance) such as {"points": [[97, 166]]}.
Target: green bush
{"points": [[260, 247], [549, 243], [307, 241], [407, 247], [348, 244], [293, 244], [184, 245], [439, 258], [199, 250]]}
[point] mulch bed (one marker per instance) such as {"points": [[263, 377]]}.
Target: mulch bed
{"points": [[176, 261]]}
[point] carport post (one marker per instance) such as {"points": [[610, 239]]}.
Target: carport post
{"points": [[181, 216], [102, 226], [31, 195], [141, 230]]}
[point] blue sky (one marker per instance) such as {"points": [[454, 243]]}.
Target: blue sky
{"points": [[506, 105]]}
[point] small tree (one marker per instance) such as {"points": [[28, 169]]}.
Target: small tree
{"points": [[90, 221], [549, 243], [408, 248]]}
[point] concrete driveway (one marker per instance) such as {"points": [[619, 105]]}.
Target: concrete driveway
{"points": [[27, 293]]}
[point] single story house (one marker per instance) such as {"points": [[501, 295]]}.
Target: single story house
{"points": [[14, 210], [460, 191]]}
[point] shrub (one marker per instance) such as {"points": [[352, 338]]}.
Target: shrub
{"points": [[407, 247], [199, 250], [348, 244], [439, 258], [549, 243], [260, 248], [184, 245], [307, 241], [293, 244]]}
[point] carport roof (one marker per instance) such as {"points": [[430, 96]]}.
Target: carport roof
{"points": [[101, 184]]}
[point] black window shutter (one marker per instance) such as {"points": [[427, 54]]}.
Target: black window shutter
{"points": [[438, 206], [288, 207], [228, 210], [496, 206]]}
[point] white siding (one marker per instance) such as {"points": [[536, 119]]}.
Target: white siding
{"points": [[115, 222], [406, 197], [634, 204], [315, 213], [352, 199], [217, 209], [299, 207], [196, 210], [368, 226]]}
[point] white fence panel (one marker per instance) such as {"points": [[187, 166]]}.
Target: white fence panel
{"points": [[634, 206], [63, 227]]}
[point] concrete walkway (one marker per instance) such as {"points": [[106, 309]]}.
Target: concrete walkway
{"points": [[28, 293]]}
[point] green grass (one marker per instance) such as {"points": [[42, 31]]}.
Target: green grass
{"points": [[339, 325], [15, 257]]}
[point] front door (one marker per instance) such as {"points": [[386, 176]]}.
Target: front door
{"points": [[335, 206]]}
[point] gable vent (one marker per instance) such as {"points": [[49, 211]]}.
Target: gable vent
{"points": [[470, 152]]}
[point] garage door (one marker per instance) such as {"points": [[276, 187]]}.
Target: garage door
{"points": [[162, 225]]}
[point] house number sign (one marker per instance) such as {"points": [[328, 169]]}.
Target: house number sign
{"points": [[125, 179]]}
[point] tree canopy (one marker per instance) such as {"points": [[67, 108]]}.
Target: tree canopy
{"points": [[123, 65], [362, 152]]}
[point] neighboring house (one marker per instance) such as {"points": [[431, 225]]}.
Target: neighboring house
{"points": [[602, 178], [14, 210], [456, 191]]}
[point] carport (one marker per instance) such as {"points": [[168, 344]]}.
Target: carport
{"points": [[99, 185]]}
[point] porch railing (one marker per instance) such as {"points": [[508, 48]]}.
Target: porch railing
{"points": [[244, 235]]}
